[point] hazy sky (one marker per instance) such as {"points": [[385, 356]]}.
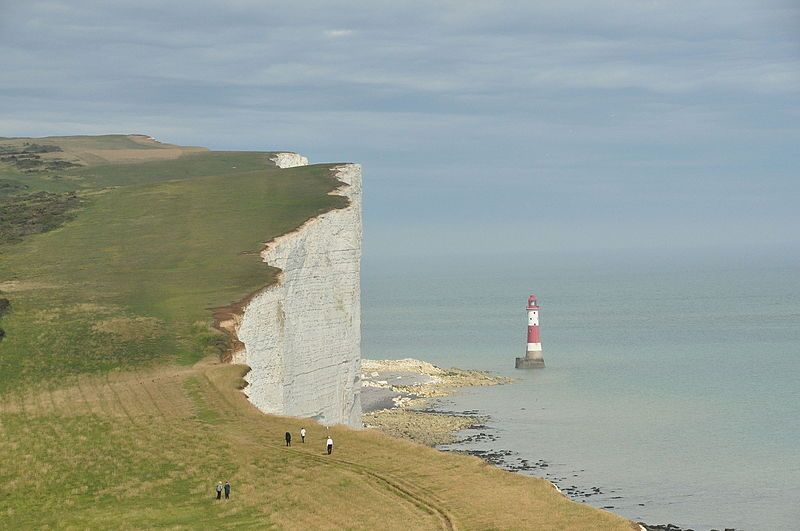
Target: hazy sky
{"points": [[535, 127]]}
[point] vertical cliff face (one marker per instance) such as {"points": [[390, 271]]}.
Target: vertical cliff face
{"points": [[302, 336]]}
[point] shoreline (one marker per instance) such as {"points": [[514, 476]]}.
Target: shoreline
{"points": [[399, 399]]}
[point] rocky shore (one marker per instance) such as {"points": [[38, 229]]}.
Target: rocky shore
{"points": [[397, 396], [673, 527]]}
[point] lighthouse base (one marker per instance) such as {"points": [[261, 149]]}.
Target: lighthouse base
{"points": [[529, 363]]}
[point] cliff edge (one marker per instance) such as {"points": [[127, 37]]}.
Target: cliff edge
{"points": [[302, 336]]}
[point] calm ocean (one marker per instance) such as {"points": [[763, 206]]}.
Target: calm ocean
{"points": [[673, 388]]}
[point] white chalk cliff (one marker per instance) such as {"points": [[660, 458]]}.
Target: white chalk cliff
{"points": [[288, 159], [302, 335]]}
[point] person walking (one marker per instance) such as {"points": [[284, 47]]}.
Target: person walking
{"points": [[302, 435], [288, 439], [227, 489], [219, 490], [329, 445]]}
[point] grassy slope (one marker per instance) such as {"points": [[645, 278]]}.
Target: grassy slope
{"points": [[111, 416], [148, 260]]}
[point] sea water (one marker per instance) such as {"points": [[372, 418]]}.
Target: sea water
{"points": [[672, 387]]}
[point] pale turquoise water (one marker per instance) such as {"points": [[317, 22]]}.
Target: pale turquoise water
{"points": [[673, 385]]}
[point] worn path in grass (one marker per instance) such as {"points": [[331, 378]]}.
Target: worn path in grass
{"points": [[113, 410]]}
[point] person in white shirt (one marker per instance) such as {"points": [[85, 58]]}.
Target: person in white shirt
{"points": [[330, 445], [302, 435]]}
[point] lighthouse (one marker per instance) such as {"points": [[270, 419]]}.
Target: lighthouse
{"points": [[533, 353]]}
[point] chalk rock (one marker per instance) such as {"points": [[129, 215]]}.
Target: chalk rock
{"points": [[302, 336], [288, 160]]}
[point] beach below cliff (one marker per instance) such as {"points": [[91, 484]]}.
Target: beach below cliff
{"points": [[397, 398]]}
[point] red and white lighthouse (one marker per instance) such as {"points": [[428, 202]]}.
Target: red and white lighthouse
{"points": [[533, 353]]}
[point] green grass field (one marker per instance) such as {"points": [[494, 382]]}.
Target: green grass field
{"points": [[115, 411], [132, 278]]}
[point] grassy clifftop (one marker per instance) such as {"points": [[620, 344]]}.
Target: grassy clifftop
{"points": [[114, 411], [145, 250]]}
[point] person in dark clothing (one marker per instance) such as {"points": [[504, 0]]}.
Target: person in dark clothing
{"points": [[219, 490], [227, 490], [288, 439]]}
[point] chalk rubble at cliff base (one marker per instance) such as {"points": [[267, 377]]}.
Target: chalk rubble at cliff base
{"points": [[397, 396]]}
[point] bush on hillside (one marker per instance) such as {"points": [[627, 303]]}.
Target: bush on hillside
{"points": [[22, 215]]}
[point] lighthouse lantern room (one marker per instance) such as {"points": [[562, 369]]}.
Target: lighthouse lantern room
{"points": [[533, 353]]}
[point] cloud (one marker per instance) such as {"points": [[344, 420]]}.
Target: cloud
{"points": [[577, 103], [338, 34]]}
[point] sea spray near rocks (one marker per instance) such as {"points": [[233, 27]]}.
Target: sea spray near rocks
{"points": [[302, 336]]}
